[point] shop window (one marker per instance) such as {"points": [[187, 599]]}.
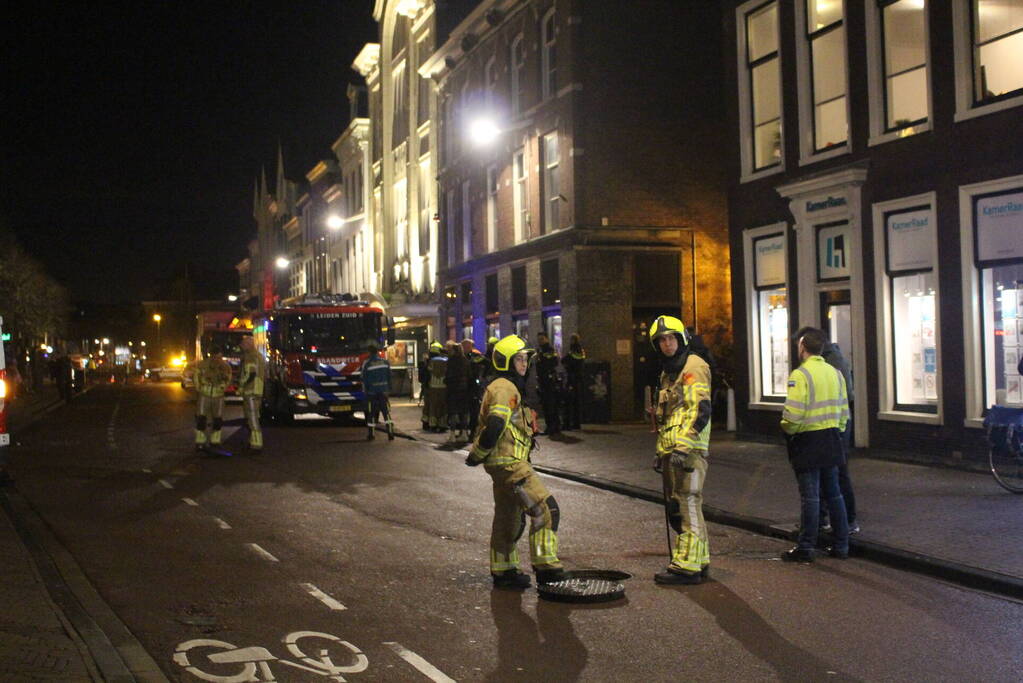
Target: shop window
{"points": [[550, 283], [768, 313], [493, 329], [518, 286], [552, 325], [521, 324], [914, 349]]}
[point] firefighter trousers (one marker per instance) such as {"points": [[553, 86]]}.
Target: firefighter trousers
{"points": [[683, 493], [518, 493], [209, 411], [251, 404]]}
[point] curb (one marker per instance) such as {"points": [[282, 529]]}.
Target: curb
{"points": [[906, 560]]}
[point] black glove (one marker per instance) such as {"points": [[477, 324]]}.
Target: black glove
{"points": [[471, 461], [658, 464]]}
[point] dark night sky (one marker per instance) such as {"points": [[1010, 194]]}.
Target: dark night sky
{"points": [[133, 131]]}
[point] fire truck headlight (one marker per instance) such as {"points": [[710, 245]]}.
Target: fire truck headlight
{"points": [[3, 388]]}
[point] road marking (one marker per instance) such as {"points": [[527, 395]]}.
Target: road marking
{"points": [[462, 451], [259, 551], [166, 484], [147, 470], [221, 523], [322, 597], [191, 502], [424, 667]]}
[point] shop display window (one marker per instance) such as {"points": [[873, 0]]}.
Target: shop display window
{"points": [[913, 335], [1002, 295], [773, 310]]}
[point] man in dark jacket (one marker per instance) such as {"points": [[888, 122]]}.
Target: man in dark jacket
{"points": [[477, 383], [547, 379], [573, 363]]}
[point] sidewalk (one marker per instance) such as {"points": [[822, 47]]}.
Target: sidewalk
{"points": [[954, 524]]}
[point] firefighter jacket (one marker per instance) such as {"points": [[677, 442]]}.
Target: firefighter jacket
{"points": [[506, 437], [684, 409], [547, 367], [438, 369], [212, 377], [376, 376], [253, 374]]}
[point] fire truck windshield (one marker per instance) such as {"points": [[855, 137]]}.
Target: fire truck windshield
{"points": [[333, 333], [229, 342]]}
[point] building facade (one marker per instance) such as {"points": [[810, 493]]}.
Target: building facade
{"points": [[580, 184], [876, 191]]}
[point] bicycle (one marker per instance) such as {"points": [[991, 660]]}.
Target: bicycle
{"points": [[225, 658], [1004, 427]]}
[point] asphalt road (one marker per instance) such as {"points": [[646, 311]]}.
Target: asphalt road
{"points": [[367, 561]]}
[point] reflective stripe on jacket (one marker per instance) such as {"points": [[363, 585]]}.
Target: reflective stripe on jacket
{"points": [[678, 408], [212, 377], [816, 398], [250, 382]]}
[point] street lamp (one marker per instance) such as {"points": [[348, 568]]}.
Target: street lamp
{"points": [[483, 132], [157, 317], [334, 222], [282, 262]]}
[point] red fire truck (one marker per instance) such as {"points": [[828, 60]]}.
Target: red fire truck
{"points": [[314, 350], [218, 328]]}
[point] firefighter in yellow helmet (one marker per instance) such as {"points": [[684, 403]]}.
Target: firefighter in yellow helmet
{"points": [[250, 387], [683, 419], [502, 446], [211, 379], [435, 409]]}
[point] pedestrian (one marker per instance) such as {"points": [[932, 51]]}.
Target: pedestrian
{"points": [[376, 382], [477, 373], [502, 446], [832, 354], [815, 414], [250, 387], [683, 438], [547, 380], [423, 376], [456, 392], [573, 362], [211, 379], [64, 377], [436, 403]]}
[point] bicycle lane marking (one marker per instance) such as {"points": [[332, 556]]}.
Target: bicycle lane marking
{"points": [[322, 597], [424, 667]]}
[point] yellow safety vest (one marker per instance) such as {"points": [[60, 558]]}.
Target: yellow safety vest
{"points": [[816, 398], [212, 377], [678, 406]]}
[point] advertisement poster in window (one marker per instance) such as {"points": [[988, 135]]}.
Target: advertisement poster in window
{"points": [[770, 260], [999, 222], [832, 251], [910, 238]]}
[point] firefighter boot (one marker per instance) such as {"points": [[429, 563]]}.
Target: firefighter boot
{"points": [[256, 441], [511, 579]]}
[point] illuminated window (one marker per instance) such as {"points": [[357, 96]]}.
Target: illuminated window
{"points": [[763, 72], [904, 59], [768, 312], [997, 40], [521, 196], [518, 74], [825, 36], [551, 183]]}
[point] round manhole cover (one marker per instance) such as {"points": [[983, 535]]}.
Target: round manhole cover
{"points": [[580, 590]]}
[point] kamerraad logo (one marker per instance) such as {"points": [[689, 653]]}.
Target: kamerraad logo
{"points": [[1009, 207], [835, 252], [913, 223], [768, 248]]}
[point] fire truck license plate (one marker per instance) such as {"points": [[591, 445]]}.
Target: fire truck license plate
{"points": [[343, 408]]}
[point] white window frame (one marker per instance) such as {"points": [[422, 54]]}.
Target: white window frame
{"points": [[962, 39], [518, 70], [493, 182], [883, 290], [749, 238], [746, 151], [973, 327], [548, 42], [449, 222], [551, 209], [876, 79], [520, 194], [807, 154], [466, 220]]}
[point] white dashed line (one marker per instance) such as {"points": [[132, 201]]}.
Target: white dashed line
{"points": [[424, 667], [322, 597], [259, 551], [462, 451], [221, 523], [166, 484], [147, 470], [191, 502]]}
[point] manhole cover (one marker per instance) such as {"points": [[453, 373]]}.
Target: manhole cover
{"points": [[579, 590]]}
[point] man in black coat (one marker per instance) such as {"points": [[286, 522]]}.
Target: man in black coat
{"points": [[547, 380]]}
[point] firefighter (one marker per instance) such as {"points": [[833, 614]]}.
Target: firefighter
{"points": [[477, 382], [435, 406], [573, 363], [683, 419], [549, 384], [250, 387], [376, 382], [502, 447], [211, 380]]}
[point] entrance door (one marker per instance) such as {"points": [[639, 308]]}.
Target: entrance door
{"points": [[836, 320]]}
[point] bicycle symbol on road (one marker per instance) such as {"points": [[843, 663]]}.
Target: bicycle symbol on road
{"points": [[219, 656]]}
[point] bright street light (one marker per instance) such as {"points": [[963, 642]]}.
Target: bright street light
{"points": [[334, 222], [232, 297], [157, 317], [483, 132], [282, 262]]}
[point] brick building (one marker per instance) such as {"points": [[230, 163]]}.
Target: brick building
{"points": [[581, 180], [876, 190]]}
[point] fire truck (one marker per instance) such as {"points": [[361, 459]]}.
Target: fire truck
{"points": [[314, 350], [5, 438], [219, 328]]}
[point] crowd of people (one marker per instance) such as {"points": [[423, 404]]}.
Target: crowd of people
{"points": [[454, 376]]}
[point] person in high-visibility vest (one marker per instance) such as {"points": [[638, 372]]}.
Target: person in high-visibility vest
{"points": [[250, 387], [502, 446], [683, 414], [211, 379], [435, 409], [813, 419]]}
